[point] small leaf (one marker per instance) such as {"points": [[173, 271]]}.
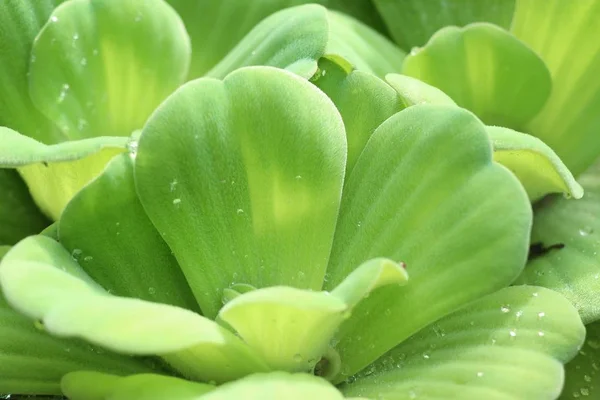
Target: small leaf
{"points": [[507, 345], [413, 22], [486, 70], [276, 386], [582, 374], [99, 386], [21, 20], [564, 34], [295, 39], [565, 245], [32, 362], [413, 91], [100, 67], [211, 41], [40, 279], [291, 328], [426, 191], [54, 173], [19, 216], [536, 165], [259, 160], [106, 229], [363, 100]]}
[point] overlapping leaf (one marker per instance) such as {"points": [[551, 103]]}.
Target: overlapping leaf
{"points": [[582, 374]]}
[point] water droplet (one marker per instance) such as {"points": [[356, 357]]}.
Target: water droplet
{"points": [[81, 124], [297, 358], [95, 52], [63, 92], [301, 275], [479, 374], [513, 333], [33, 58], [76, 254], [586, 230], [173, 185], [151, 291], [54, 18], [505, 309], [76, 36], [584, 391], [359, 224], [576, 394], [593, 344], [387, 312], [426, 356], [88, 258], [587, 378], [519, 314], [541, 315], [535, 294], [541, 334], [176, 201], [298, 177]]}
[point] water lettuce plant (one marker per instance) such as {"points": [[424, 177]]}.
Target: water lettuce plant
{"points": [[318, 215]]}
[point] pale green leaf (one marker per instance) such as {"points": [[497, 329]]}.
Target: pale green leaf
{"points": [[363, 100], [106, 229], [486, 70], [506, 346], [100, 67], [259, 161], [565, 247], [564, 34], [536, 165], [426, 191], [413, 91], [413, 22], [39, 278], [99, 386], [20, 22]]}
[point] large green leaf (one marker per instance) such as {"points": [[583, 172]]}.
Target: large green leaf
{"points": [[582, 374], [363, 100], [99, 386], [243, 179], [486, 70], [32, 362], [100, 67], [107, 230], [413, 22], [565, 247], [20, 21], [425, 191], [269, 319], [297, 37], [54, 173], [508, 345], [43, 281], [216, 27], [536, 165], [564, 34], [19, 216]]}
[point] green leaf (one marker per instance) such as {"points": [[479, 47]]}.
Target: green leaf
{"points": [[297, 37], [216, 27], [40, 279], [54, 173], [426, 191], [582, 376], [258, 164], [269, 319], [19, 216], [276, 386], [536, 165], [565, 245], [413, 22], [508, 345], [413, 91], [100, 67], [20, 21], [564, 34], [85, 385], [363, 100], [107, 230], [486, 70], [32, 362]]}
